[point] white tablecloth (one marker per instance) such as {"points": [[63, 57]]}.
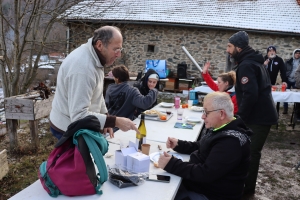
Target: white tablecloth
{"points": [[160, 131], [287, 96], [148, 191]]}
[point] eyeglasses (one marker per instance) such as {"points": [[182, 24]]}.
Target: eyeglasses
{"points": [[209, 111], [118, 50]]}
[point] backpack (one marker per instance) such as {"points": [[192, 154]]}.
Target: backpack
{"points": [[70, 169]]}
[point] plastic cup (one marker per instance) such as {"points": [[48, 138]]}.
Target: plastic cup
{"points": [[190, 103], [145, 149], [180, 113]]}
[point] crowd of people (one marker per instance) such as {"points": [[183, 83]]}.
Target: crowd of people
{"points": [[224, 163]]}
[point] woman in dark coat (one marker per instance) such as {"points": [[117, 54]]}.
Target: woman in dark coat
{"points": [[149, 81]]}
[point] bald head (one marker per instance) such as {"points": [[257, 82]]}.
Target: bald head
{"points": [[105, 34]]}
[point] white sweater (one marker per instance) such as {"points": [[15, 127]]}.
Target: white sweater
{"points": [[79, 89]]}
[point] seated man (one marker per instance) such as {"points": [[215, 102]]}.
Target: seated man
{"points": [[121, 99], [219, 162]]}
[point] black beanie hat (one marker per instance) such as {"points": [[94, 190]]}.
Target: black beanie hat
{"points": [[239, 39], [271, 48]]}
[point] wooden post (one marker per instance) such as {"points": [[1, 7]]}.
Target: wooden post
{"points": [[33, 124], [26, 108], [12, 125]]}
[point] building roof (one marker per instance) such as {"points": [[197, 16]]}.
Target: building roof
{"points": [[279, 16]]}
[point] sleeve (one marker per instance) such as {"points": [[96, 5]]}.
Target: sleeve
{"points": [[103, 106], [186, 147], [141, 101], [249, 89], [219, 162], [81, 88], [210, 82], [297, 77], [235, 106], [107, 97], [282, 69]]}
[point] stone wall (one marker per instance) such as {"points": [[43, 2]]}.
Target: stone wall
{"points": [[166, 41]]}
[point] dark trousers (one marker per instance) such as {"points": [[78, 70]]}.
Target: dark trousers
{"points": [[289, 86], [184, 194], [257, 142]]}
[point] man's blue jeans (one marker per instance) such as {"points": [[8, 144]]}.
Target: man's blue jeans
{"points": [[55, 133]]}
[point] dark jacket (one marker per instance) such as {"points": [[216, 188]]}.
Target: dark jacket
{"points": [[218, 163], [142, 85], [253, 89], [122, 99], [275, 65]]}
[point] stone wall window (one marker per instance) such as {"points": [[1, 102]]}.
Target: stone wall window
{"points": [[151, 48]]}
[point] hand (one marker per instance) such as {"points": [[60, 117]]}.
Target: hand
{"points": [[266, 62], [171, 142], [284, 83], [163, 160], [110, 131], [125, 124], [205, 67]]}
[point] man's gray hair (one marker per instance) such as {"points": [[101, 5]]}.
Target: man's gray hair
{"points": [[221, 100], [104, 34]]}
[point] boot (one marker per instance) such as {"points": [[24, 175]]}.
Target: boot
{"points": [[285, 111]]}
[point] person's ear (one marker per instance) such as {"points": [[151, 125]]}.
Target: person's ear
{"points": [[239, 49], [99, 45]]}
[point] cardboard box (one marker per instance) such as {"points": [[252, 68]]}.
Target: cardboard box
{"points": [[138, 162], [121, 157], [183, 85]]}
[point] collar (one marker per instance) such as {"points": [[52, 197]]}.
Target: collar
{"points": [[216, 129]]}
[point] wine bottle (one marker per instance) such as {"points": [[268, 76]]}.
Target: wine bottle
{"points": [[141, 137]]}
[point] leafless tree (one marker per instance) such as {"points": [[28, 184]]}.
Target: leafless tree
{"points": [[25, 26], [24, 31]]}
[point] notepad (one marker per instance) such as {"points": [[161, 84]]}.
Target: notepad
{"points": [[184, 125]]}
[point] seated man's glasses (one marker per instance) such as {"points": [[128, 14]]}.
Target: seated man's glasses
{"points": [[206, 112]]}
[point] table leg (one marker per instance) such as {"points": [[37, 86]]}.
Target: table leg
{"points": [[277, 108]]}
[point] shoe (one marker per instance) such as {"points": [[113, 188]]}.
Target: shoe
{"points": [[285, 111], [248, 195]]}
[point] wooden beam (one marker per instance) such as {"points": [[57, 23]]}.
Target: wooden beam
{"points": [[33, 124]]}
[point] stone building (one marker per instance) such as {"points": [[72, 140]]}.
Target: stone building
{"points": [[154, 29]]}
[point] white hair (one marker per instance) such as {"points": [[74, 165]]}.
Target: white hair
{"points": [[221, 100]]}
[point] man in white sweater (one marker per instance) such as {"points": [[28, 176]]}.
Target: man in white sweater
{"points": [[79, 90]]}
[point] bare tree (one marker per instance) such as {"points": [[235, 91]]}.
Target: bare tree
{"points": [[24, 31], [25, 26], [28, 28]]}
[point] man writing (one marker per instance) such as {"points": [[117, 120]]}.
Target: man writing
{"points": [[255, 102], [79, 90], [219, 162]]}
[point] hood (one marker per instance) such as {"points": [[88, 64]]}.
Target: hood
{"points": [[250, 54], [238, 124], [145, 79], [295, 52], [115, 89]]}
